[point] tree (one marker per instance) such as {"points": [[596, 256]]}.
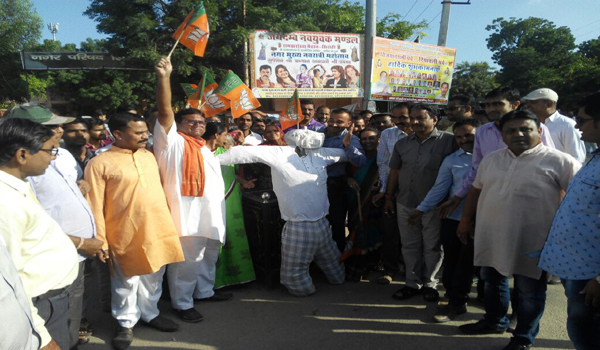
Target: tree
{"points": [[475, 79], [20, 29]]}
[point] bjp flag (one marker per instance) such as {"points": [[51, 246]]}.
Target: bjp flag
{"points": [[209, 102], [193, 32], [189, 89], [240, 97], [292, 113]]}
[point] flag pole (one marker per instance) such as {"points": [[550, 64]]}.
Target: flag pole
{"points": [[177, 42]]}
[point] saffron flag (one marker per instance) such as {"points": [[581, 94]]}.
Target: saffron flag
{"points": [[292, 113], [189, 89], [240, 96], [209, 102], [194, 31]]}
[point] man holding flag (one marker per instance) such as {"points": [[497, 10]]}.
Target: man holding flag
{"points": [[192, 181]]}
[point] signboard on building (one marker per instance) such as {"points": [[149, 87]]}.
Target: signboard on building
{"points": [[413, 72], [72, 60], [320, 65]]}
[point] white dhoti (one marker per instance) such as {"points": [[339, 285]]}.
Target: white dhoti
{"points": [[193, 278], [135, 297]]}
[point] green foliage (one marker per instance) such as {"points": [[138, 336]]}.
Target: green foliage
{"points": [[534, 53], [475, 79]]}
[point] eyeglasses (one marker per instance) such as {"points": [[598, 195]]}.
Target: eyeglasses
{"points": [[194, 122], [580, 120], [453, 108], [52, 151]]}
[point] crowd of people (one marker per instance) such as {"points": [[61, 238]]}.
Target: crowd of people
{"points": [[506, 188]]}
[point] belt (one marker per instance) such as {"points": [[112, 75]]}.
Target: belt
{"points": [[49, 294]]}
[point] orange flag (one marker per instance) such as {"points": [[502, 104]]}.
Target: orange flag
{"points": [[209, 102], [240, 97], [292, 113], [193, 32]]}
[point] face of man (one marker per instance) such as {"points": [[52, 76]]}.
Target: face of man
{"points": [[57, 129], [497, 107], [521, 135], [465, 137], [97, 132], [76, 135], [400, 118], [444, 89], [457, 111], [134, 137], [369, 140], [244, 122], [265, 74], [541, 108], [323, 115], [36, 164], [192, 125], [382, 122], [421, 123], [308, 111], [359, 125], [337, 123], [590, 129], [258, 127]]}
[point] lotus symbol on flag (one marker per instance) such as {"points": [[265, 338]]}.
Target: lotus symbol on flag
{"points": [[212, 100], [245, 101], [197, 35]]}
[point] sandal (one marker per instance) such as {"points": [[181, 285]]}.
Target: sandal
{"points": [[83, 340], [430, 294], [385, 279], [405, 293]]}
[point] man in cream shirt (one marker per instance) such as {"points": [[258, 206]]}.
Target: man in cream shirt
{"points": [[43, 254]]}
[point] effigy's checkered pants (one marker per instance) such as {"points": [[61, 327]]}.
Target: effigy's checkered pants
{"points": [[301, 243]]}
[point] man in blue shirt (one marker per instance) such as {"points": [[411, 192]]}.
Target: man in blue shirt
{"points": [[458, 256], [572, 250], [337, 188]]}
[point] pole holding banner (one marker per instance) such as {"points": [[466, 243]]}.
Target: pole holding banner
{"points": [[370, 32]]}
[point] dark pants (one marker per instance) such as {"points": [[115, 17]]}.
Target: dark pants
{"points": [[337, 193], [390, 248], [55, 312], [531, 296], [583, 321], [458, 264], [76, 290]]}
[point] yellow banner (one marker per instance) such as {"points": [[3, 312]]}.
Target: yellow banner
{"points": [[413, 72]]}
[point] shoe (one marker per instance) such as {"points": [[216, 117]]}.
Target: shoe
{"points": [[123, 339], [217, 297], [514, 344], [430, 294], [190, 315], [449, 313], [386, 278], [481, 327], [552, 280], [163, 324], [405, 293]]}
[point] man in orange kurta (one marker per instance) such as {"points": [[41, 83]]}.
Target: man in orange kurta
{"points": [[133, 220]]}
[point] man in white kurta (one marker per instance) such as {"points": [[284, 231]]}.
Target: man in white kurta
{"points": [[519, 189], [300, 183], [200, 220]]}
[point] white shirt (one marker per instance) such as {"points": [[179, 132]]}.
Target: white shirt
{"points": [[58, 193], [253, 139], [566, 138], [44, 256], [300, 183], [381, 88], [388, 140], [193, 216]]}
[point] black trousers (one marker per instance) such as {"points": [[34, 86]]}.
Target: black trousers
{"points": [[457, 277], [337, 193], [55, 311]]}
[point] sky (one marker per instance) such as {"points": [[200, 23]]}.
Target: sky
{"points": [[466, 31]]}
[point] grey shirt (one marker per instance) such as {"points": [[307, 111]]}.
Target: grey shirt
{"points": [[419, 162]]}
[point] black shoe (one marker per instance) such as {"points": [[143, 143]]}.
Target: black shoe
{"points": [[430, 294], [217, 297], [481, 327], [163, 324], [190, 315], [405, 293], [123, 339], [449, 313], [514, 344]]}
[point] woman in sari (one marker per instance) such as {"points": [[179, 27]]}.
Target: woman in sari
{"points": [[366, 235], [273, 136], [235, 263]]}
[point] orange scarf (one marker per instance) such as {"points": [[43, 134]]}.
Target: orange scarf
{"points": [[192, 176]]}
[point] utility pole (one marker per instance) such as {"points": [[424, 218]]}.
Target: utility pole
{"points": [[245, 53], [444, 23], [370, 32], [53, 28]]}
